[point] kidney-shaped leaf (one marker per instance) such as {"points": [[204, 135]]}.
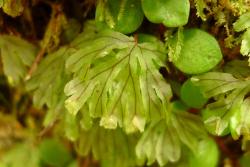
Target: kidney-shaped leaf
{"points": [[121, 15], [200, 52], [171, 13]]}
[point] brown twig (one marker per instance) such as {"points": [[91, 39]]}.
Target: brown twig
{"points": [[35, 63]]}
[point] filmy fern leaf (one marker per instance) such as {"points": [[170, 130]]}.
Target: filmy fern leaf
{"points": [[47, 84], [117, 79], [49, 79]]}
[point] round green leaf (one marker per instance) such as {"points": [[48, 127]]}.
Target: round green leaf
{"points": [[200, 52], [54, 153], [124, 16], [207, 154], [171, 13], [192, 96]]}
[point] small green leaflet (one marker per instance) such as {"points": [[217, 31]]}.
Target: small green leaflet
{"points": [[162, 141], [238, 68], [200, 6], [215, 83], [240, 124], [245, 43], [229, 94], [115, 149], [71, 126], [175, 44], [243, 24], [117, 79], [17, 55]]}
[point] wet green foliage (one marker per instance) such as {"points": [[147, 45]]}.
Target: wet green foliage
{"points": [[124, 83]]}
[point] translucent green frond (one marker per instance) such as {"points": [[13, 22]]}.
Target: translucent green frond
{"points": [[229, 107], [48, 81], [117, 80], [162, 142]]}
